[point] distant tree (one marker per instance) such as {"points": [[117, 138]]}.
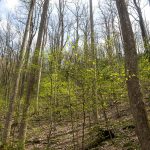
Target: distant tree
{"points": [[93, 65], [143, 28]]}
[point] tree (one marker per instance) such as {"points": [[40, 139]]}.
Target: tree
{"points": [[143, 29], [10, 112], [93, 65], [33, 75], [133, 86]]}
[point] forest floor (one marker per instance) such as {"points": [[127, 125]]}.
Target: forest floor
{"points": [[61, 136]]}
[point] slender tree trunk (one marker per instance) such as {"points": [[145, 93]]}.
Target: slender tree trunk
{"points": [[71, 111], [61, 32], [26, 65], [84, 118], [38, 84], [40, 70], [27, 56], [93, 65], [133, 86], [143, 30], [9, 115], [33, 76]]}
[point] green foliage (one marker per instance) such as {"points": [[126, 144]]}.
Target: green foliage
{"points": [[65, 88], [110, 84], [144, 66]]}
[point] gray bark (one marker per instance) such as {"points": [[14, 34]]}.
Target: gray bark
{"points": [[133, 86]]}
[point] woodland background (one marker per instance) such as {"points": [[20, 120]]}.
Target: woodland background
{"points": [[68, 71]]}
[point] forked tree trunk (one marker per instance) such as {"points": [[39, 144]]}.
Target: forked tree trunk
{"points": [[8, 122], [133, 86]]}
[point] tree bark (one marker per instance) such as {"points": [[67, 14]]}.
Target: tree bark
{"points": [[93, 65], [33, 75], [143, 30], [8, 122], [133, 86]]}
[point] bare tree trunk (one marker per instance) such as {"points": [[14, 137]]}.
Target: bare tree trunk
{"points": [[26, 64], [38, 82], [71, 111], [143, 30], [84, 118], [93, 65], [133, 86], [9, 116], [40, 70], [62, 23], [33, 75], [61, 32]]}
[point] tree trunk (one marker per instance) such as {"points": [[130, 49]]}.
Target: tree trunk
{"points": [[8, 122], [143, 30], [40, 70], [26, 65], [33, 75], [133, 86], [61, 32], [93, 65]]}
